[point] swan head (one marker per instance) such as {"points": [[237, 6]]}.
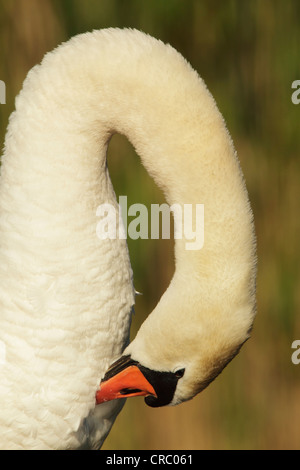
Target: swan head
{"points": [[173, 358]]}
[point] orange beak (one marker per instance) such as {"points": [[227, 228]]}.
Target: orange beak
{"points": [[129, 382]]}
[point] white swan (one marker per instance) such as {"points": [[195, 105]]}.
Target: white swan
{"points": [[65, 295]]}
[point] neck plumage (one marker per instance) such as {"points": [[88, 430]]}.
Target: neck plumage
{"points": [[84, 92]]}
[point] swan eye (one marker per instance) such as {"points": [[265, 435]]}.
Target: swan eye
{"points": [[179, 373]]}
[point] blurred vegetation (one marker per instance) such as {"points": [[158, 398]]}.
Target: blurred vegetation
{"points": [[248, 53]]}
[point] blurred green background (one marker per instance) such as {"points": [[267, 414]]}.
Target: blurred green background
{"points": [[248, 54]]}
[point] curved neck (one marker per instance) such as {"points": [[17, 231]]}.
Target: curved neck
{"points": [[88, 89]]}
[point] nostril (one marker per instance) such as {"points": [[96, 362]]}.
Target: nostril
{"points": [[127, 391]]}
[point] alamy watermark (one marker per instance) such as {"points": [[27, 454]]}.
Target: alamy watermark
{"points": [[2, 353], [188, 222], [296, 354], [2, 92], [296, 94]]}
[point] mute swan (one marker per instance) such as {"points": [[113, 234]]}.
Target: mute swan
{"points": [[66, 297]]}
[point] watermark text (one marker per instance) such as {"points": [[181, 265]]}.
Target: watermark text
{"points": [[2, 353], [296, 94], [296, 354], [188, 222], [2, 92]]}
